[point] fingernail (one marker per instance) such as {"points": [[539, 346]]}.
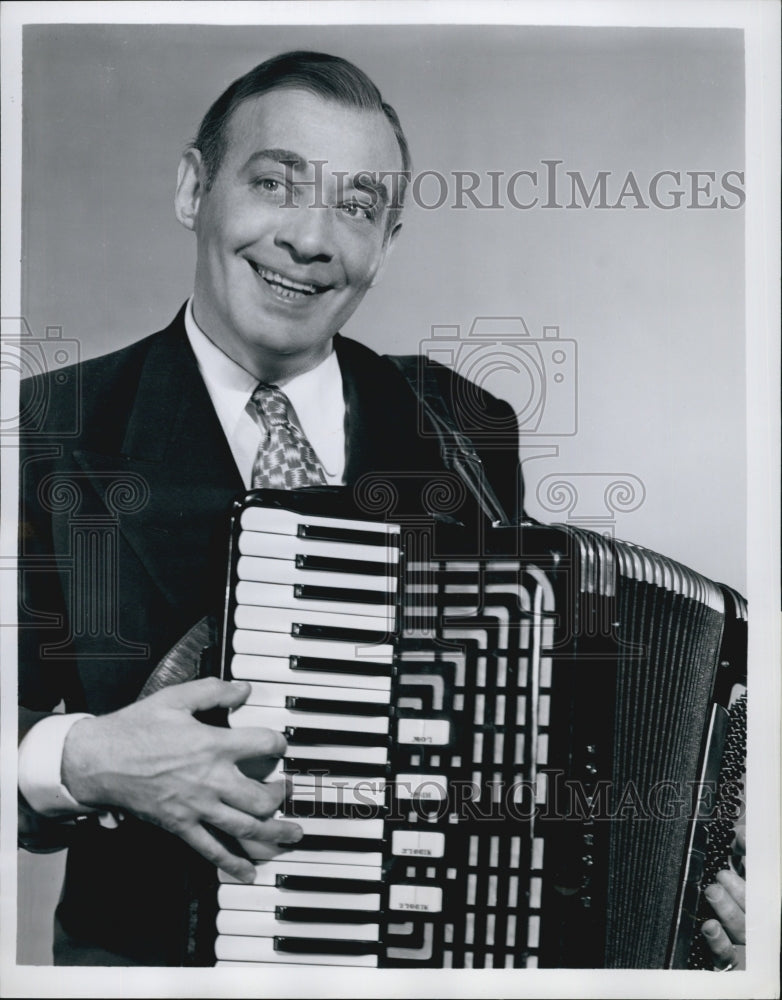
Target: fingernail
{"points": [[247, 876], [712, 893], [293, 837], [710, 930]]}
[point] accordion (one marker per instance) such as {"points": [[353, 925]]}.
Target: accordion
{"points": [[508, 747]]}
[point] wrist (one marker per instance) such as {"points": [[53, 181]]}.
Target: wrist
{"points": [[79, 773]]}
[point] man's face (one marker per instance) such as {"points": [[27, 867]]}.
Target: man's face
{"points": [[283, 264]]}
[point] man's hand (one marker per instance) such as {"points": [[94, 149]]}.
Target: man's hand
{"points": [[726, 936], [155, 760]]}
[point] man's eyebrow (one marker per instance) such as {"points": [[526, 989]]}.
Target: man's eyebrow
{"points": [[365, 180], [278, 155]]}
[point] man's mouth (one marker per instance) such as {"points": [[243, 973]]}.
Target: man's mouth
{"points": [[287, 288]]}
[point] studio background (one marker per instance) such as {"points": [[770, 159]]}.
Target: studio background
{"points": [[652, 299]]}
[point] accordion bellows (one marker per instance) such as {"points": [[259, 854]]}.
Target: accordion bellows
{"points": [[505, 743]]}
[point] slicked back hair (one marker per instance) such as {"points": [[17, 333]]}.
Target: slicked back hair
{"points": [[330, 77]]}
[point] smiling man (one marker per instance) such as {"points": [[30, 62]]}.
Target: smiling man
{"points": [[293, 189]]}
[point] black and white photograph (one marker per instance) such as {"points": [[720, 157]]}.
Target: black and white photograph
{"points": [[390, 517]]}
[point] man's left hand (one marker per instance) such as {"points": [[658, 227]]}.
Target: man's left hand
{"points": [[726, 936]]}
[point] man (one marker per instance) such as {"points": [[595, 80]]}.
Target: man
{"points": [[293, 190]]}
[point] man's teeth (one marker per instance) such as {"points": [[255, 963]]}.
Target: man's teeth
{"points": [[286, 287]]}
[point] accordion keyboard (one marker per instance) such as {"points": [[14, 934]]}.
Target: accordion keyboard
{"points": [[435, 707]]}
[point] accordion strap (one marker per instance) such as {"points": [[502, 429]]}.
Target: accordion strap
{"points": [[456, 449]]}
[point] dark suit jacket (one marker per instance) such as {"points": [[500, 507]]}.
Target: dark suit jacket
{"points": [[126, 482]]}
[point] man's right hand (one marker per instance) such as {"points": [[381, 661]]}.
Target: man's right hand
{"points": [[155, 760]]}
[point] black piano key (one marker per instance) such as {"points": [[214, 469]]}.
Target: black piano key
{"points": [[310, 808], [340, 666], [336, 634], [313, 915], [326, 946], [320, 842], [308, 592], [328, 737], [330, 564], [353, 535], [336, 768], [309, 883], [332, 706]]}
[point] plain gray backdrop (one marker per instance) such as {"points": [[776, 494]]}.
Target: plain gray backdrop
{"points": [[653, 299]]}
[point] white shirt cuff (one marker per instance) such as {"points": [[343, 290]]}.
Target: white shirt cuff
{"points": [[40, 765]]}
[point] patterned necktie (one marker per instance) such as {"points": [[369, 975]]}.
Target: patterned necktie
{"points": [[285, 458]]}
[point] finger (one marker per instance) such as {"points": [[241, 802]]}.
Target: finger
{"points": [[258, 799], [723, 951], [265, 850], [740, 841], [209, 692], [727, 911], [733, 884], [250, 830], [247, 742], [210, 848]]}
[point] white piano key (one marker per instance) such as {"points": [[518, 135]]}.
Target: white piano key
{"points": [[352, 792], [279, 718], [282, 571], [277, 669], [266, 872], [273, 595], [307, 780], [283, 619], [273, 695], [370, 755], [234, 949], [255, 923], [277, 644], [268, 897], [256, 543], [371, 829], [287, 522]]}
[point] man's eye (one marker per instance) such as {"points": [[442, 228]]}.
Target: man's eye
{"points": [[268, 184], [357, 210]]}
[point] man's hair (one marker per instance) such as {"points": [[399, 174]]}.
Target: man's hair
{"points": [[327, 76]]}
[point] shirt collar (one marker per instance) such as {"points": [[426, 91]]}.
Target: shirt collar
{"points": [[316, 395]]}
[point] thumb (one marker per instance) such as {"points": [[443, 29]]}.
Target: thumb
{"points": [[198, 696]]}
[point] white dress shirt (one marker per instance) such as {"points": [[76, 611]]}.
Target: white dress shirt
{"points": [[318, 407], [316, 398]]}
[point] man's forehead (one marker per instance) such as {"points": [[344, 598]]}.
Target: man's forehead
{"points": [[347, 138]]}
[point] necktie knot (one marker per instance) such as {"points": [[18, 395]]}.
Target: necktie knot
{"points": [[285, 459], [272, 404]]}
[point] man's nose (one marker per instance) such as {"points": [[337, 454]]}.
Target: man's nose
{"points": [[306, 232]]}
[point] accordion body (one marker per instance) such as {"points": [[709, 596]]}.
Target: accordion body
{"points": [[508, 747]]}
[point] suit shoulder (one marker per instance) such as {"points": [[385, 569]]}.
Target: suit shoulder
{"points": [[466, 398], [64, 400]]}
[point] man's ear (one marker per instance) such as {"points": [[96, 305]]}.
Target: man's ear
{"points": [[189, 188], [386, 252]]}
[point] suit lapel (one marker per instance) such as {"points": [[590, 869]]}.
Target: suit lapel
{"points": [[176, 457], [382, 431]]}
